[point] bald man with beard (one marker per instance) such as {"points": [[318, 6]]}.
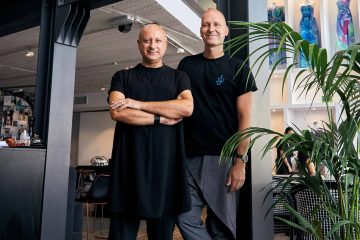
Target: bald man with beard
{"points": [[148, 178]]}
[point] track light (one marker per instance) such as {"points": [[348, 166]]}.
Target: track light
{"points": [[180, 50], [29, 53]]}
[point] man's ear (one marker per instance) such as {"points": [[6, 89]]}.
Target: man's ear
{"points": [[226, 31]]}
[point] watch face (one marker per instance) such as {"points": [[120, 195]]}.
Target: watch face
{"points": [[243, 158]]}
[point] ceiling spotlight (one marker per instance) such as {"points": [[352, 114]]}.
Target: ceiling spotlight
{"points": [[274, 110], [102, 89], [123, 23], [115, 63], [180, 50], [313, 109], [29, 53]]}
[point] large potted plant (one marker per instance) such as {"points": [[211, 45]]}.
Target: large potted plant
{"points": [[337, 146]]}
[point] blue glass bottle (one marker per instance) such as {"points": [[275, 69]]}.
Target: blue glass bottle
{"points": [[344, 25]]}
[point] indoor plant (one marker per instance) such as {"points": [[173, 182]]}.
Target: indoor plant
{"points": [[337, 146]]}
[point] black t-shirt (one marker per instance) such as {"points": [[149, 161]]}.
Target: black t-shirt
{"points": [[281, 168], [216, 84], [148, 177]]}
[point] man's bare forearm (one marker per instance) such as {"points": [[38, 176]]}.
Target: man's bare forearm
{"points": [[178, 108], [172, 109], [133, 117]]}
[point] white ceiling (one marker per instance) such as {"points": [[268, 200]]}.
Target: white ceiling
{"points": [[101, 46]]}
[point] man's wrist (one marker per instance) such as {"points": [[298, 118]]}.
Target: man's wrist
{"points": [[242, 157], [156, 119]]}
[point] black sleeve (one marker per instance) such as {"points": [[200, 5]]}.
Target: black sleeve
{"points": [[181, 65], [183, 81], [118, 82], [302, 157], [245, 81]]}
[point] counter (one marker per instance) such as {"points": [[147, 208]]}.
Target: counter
{"points": [[21, 192]]}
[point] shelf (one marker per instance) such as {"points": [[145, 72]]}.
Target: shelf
{"points": [[314, 106], [304, 119], [278, 71], [278, 107]]}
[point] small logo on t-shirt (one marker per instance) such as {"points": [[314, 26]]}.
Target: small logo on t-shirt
{"points": [[220, 80]]}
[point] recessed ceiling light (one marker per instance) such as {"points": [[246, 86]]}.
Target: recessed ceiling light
{"points": [[102, 89], [180, 50], [314, 109], [274, 110], [115, 63], [29, 53]]}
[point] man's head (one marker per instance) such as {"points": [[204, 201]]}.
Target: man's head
{"points": [[152, 44], [289, 130], [213, 28]]}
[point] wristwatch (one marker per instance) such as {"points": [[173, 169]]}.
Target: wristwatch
{"points": [[243, 158]]}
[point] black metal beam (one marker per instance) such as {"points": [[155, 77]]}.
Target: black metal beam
{"points": [[238, 11], [18, 15], [235, 11], [62, 26]]}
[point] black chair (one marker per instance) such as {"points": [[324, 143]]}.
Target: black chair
{"points": [[97, 195], [305, 202], [281, 195]]}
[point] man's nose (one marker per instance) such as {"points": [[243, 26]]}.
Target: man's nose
{"points": [[152, 44], [211, 27]]}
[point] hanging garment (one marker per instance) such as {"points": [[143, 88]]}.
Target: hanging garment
{"points": [[309, 29], [344, 25], [276, 14]]}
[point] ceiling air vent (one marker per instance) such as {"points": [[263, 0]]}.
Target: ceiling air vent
{"points": [[80, 100]]}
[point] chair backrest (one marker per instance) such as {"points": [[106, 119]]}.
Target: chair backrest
{"points": [[98, 192], [306, 202]]}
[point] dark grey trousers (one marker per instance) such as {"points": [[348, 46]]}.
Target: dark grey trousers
{"points": [[126, 228], [207, 179]]}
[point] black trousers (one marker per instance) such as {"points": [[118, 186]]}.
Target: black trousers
{"points": [[126, 228]]}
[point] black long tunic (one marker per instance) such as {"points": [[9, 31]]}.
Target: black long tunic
{"points": [[148, 179]]}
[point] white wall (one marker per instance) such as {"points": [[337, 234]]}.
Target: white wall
{"points": [[96, 135], [261, 168]]}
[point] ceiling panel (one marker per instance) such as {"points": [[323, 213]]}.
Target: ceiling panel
{"points": [[102, 50]]}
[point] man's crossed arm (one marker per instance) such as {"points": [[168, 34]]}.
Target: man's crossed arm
{"points": [[140, 113]]}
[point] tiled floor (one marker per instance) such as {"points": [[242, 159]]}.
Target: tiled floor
{"points": [[142, 230]]}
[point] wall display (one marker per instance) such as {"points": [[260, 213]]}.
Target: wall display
{"points": [[344, 26], [332, 24], [16, 113], [276, 13], [316, 21]]}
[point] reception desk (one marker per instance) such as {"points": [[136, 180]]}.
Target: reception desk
{"points": [[21, 179]]}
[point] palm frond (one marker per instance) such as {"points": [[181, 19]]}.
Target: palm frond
{"points": [[337, 146]]}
